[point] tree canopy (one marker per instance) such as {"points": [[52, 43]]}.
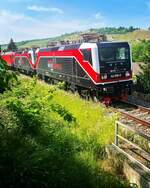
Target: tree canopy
{"points": [[12, 46], [7, 77], [141, 52]]}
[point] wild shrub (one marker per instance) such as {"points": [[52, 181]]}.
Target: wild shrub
{"points": [[143, 54], [7, 77], [38, 148]]}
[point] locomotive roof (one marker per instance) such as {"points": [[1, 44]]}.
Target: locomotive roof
{"points": [[77, 46], [63, 47]]}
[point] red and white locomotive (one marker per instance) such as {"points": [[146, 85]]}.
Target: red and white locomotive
{"points": [[102, 70]]}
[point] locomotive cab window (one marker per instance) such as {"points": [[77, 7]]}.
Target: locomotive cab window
{"points": [[87, 55], [122, 53], [114, 54]]}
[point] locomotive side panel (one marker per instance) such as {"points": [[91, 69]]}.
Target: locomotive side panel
{"points": [[22, 63], [65, 69], [82, 79], [60, 68]]}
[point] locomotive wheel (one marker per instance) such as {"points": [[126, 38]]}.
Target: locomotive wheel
{"points": [[67, 86], [94, 96], [40, 76], [73, 88], [85, 94], [46, 79], [95, 99]]}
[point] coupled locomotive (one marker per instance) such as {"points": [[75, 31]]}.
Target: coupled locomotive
{"points": [[102, 70]]}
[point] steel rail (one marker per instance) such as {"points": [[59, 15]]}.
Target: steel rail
{"points": [[136, 119], [144, 109]]}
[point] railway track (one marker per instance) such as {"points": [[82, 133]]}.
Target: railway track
{"points": [[134, 115], [133, 136]]}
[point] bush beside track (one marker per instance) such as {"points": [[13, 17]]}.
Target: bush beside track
{"points": [[50, 138], [7, 77]]}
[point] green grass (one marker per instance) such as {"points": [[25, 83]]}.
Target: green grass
{"points": [[50, 138], [93, 119]]}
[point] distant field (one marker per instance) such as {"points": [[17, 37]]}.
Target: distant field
{"points": [[132, 37]]}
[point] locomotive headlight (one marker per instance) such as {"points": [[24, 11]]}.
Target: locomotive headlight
{"points": [[104, 76], [127, 74]]}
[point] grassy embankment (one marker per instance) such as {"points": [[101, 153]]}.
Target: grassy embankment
{"points": [[50, 138]]}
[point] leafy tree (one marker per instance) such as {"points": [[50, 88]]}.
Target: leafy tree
{"points": [[143, 79], [7, 77], [11, 46], [114, 30], [140, 51], [131, 29], [137, 51]]}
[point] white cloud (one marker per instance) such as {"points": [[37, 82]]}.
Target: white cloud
{"points": [[45, 9], [21, 27], [98, 16], [7, 16]]}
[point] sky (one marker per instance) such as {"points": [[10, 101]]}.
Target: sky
{"points": [[33, 19]]}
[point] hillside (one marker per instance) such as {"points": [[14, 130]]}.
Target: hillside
{"points": [[132, 37], [112, 35]]}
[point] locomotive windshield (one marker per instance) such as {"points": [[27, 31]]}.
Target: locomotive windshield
{"points": [[114, 57], [108, 54]]}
